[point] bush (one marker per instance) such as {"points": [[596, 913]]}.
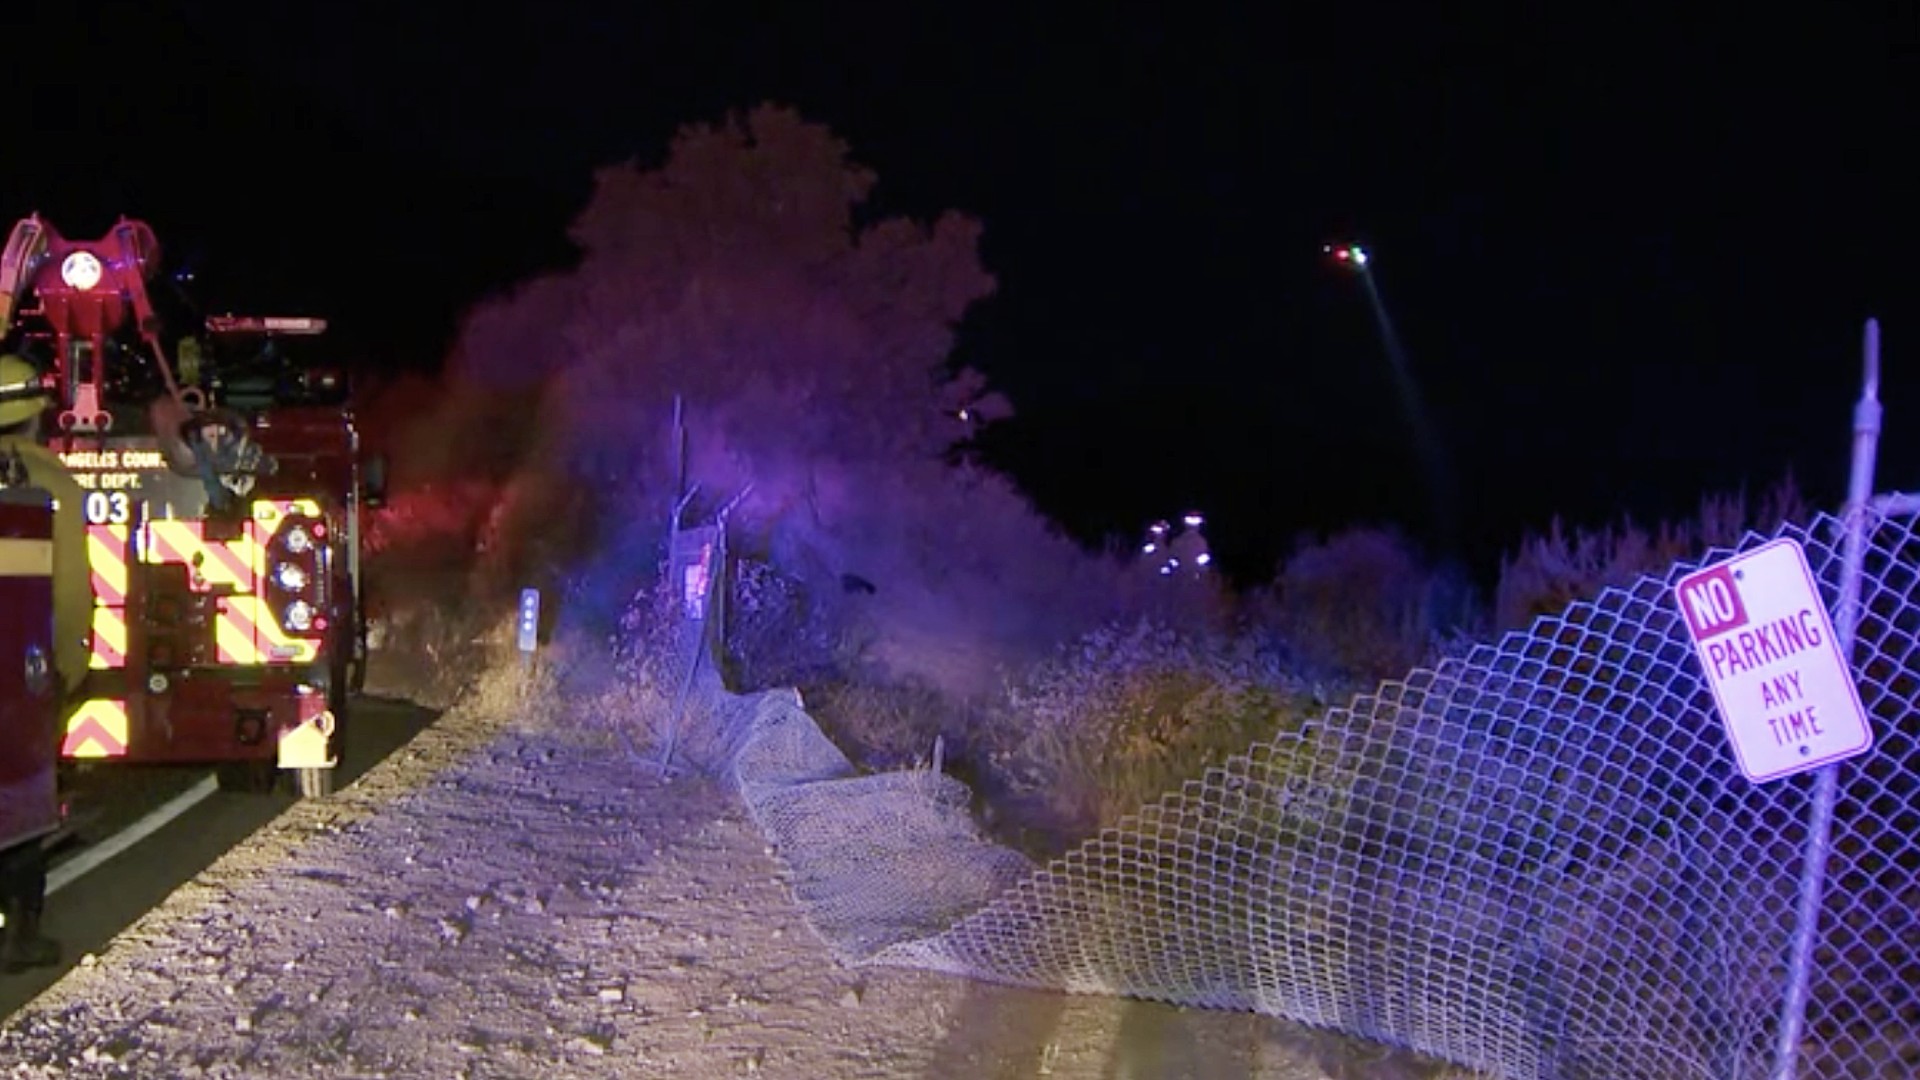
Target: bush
{"points": [[888, 726], [1126, 713], [647, 651], [1361, 606], [1547, 573], [778, 633]]}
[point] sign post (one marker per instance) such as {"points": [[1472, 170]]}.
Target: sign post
{"points": [[1779, 675], [1826, 783]]}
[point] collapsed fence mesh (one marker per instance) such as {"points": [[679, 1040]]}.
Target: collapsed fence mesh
{"points": [[1539, 860]]}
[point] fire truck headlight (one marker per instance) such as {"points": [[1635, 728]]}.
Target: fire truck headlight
{"points": [[299, 616], [81, 270], [298, 541], [290, 577]]}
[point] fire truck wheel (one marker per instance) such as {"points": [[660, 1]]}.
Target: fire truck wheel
{"points": [[315, 783], [340, 702], [255, 777]]}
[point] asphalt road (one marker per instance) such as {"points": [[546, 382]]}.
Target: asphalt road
{"points": [[85, 912]]}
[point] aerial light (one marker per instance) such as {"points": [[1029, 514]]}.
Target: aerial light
{"points": [[1352, 255], [81, 270]]}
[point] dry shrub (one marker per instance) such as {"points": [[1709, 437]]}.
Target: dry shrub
{"points": [[779, 633], [463, 529], [1126, 713], [887, 726], [1551, 571], [649, 657], [1361, 606]]}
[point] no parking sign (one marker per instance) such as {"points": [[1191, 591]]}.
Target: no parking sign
{"points": [[1786, 693]]}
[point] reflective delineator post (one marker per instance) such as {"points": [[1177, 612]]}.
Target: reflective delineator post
{"points": [[1826, 784], [527, 625]]}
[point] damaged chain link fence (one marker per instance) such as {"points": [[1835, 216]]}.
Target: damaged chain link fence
{"points": [[1538, 860]]}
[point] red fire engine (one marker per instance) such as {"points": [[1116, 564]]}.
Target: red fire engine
{"points": [[29, 696], [222, 493]]}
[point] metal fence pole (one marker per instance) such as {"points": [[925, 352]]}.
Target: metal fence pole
{"points": [[1866, 437]]}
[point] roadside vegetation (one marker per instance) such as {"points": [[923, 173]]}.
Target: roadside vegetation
{"points": [[744, 337]]}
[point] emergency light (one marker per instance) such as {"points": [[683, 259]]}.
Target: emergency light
{"points": [[82, 270]]}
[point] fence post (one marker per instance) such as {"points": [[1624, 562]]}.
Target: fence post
{"points": [[1813, 872]]}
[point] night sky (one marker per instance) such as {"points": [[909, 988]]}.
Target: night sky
{"points": [[1628, 256]]}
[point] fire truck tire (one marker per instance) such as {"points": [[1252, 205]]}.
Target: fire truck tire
{"points": [[340, 702], [314, 783], [255, 777]]}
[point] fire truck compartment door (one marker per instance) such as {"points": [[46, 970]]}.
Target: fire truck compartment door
{"points": [[29, 688]]}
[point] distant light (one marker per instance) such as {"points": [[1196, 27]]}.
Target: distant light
{"points": [[1341, 254], [1360, 256], [966, 415], [1150, 549], [1165, 570], [1194, 521], [81, 270], [1203, 558]]}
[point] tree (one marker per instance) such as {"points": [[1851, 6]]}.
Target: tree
{"points": [[811, 352]]}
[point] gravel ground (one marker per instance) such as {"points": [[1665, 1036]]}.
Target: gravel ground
{"points": [[510, 899]]}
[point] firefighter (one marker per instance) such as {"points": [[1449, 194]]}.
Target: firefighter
{"points": [[23, 871]]}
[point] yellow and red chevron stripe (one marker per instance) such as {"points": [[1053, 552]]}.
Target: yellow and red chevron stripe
{"points": [[109, 639], [234, 563], [97, 729], [269, 513], [107, 558], [246, 632]]}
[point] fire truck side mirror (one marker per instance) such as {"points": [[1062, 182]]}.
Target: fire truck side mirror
{"points": [[373, 482]]}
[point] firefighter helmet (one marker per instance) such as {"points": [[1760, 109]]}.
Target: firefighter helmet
{"points": [[22, 394]]}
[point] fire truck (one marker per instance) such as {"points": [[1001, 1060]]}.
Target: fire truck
{"points": [[29, 696], [223, 486]]}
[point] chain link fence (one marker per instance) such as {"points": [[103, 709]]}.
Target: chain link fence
{"points": [[1539, 860]]}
